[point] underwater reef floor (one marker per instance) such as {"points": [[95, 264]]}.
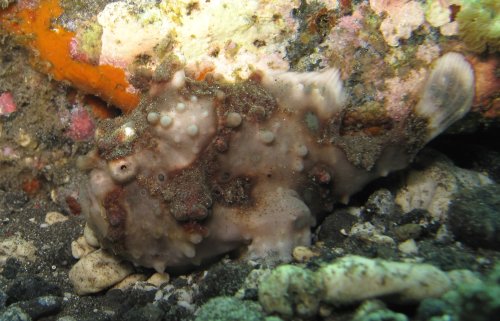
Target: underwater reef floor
{"points": [[439, 219]]}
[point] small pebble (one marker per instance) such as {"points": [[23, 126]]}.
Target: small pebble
{"points": [[408, 247], [408, 231], [55, 217], [158, 279], [303, 254], [23, 138]]}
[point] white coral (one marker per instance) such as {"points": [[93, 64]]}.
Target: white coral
{"points": [[403, 17], [129, 29]]}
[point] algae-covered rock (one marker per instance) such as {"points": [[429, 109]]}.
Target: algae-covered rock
{"points": [[290, 289], [479, 25], [353, 279], [435, 184], [231, 309], [295, 291], [474, 217], [475, 301], [375, 310]]}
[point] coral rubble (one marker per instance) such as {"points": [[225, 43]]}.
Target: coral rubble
{"points": [[292, 290]]}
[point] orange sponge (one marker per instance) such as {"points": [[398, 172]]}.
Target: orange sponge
{"points": [[52, 43]]}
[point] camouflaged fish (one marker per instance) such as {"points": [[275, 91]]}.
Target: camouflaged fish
{"points": [[203, 168]]}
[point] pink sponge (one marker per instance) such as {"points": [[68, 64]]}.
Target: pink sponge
{"points": [[7, 104]]}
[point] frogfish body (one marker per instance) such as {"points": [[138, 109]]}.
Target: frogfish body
{"points": [[203, 168]]}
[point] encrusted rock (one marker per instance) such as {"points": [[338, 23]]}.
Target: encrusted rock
{"points": [[14, 314], [402, 18], [474, 216], [434, 187], [292, 290], [18, 248]]}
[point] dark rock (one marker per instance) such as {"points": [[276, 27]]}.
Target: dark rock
{"points": [[11, 268], [31, 287], [415, 216], [474, 217], [421, 217], [3, 299], [16, 200], [432, 307], [380, 203], [150, 312], [488, 161], [449, 257], [223, 279], [251, 294], [330, 229], [14, 314], [478, 301], [408, 231], [41, 306], [123, 301], [176, 312]]}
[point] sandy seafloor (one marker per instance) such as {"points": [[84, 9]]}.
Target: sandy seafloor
{"points": [[37, 162]]}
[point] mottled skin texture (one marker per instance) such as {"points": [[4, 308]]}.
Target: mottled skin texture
{"points": [[203, 168]]}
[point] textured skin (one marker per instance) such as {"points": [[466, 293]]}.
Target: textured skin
{"points": [[203, 168]]}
